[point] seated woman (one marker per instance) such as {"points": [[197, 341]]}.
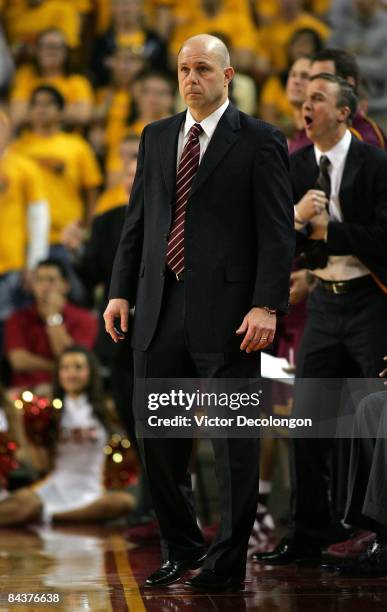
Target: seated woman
{"points": [[51, 68], [73, 490]]}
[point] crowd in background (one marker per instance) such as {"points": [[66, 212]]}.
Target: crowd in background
{"points": [[79, 80]]}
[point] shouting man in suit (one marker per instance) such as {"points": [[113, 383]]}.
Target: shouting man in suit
{"points": [[340, 186], [205, 257]]}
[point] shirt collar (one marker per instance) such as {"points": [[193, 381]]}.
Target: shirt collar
{"points": [[338, 153], [209, 123]]}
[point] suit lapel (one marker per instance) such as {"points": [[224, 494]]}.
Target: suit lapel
{"points": [[353, 162], [222, 140], [305, 174], [168, 152]]}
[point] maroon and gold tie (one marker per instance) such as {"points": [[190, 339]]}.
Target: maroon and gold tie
{"points": [[188, 165]]}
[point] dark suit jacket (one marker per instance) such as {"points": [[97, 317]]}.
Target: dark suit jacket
{"points": [[363, 201], [239, 236]]}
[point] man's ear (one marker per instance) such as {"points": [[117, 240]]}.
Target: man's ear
{"points": [[228, 74], [344, 114]]}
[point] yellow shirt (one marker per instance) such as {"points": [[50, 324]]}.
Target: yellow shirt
{"points": [[21, 184], [111, 198], [113, 158], [274, 94], [118, 104], [150, 9], [268, 10], [23, 23], [275, 37], [68, 165], [234, 23], [103, 15], [73, 87], [83, 6]]}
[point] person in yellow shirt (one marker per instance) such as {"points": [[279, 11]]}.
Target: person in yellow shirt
{"points": [[219, 16], [275, 106], [266, 11], [154, 98], [114, 101], [24, 223], [24, 19], [70, 171], [274, 38], [50, 68], [127, 29]]}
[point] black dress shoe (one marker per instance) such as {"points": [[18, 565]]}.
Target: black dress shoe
{"points": [[172, 571], [372, 563], [209, 581], [291, 550]]}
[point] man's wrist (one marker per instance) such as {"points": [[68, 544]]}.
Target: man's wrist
{"points": [[54, 320], [269, 309]]}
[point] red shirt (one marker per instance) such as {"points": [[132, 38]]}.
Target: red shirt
{"points": [[25, 329]]}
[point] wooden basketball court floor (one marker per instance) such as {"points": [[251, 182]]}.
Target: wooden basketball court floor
{"points": [[96, 569]]}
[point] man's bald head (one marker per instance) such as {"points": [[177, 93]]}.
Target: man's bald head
{"points": [[204, 73], [211, 45]]}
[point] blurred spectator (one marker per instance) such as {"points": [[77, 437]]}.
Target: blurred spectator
{"points": [[275, 106], [51, 67], [127, 29], [24, 19], [70, 171], [114, 101], [364, 33], [340, 9], [296, 92], [117, 169], [275, 37], [344, 64], [266, 11], [220, 16], [153, 99], [159, 16], [36, 335], [24, 223]]}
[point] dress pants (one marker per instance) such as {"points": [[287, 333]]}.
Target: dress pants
{"points": [[345, 336], [166, 460], [367, 480]]}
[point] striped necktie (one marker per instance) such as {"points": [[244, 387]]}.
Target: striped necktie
{"points": [[324, 179], [188, 165]]}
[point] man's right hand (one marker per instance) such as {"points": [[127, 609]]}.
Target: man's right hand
{"points": [[117, 308], [313, 203]]}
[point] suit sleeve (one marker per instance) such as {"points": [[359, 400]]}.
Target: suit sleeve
{"points": [[128, 256], [274, 223], [367, 238]]}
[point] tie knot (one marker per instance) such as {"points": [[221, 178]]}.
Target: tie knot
{"points": [[195, 130], [325, 162]]}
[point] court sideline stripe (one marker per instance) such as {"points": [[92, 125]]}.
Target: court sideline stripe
{"points": [[132, 594]]}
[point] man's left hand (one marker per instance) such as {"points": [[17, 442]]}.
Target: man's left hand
{"points": [[258, 326]]}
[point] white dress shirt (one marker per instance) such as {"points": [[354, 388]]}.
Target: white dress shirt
{"points": [[208, 124], [340, 267]]}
